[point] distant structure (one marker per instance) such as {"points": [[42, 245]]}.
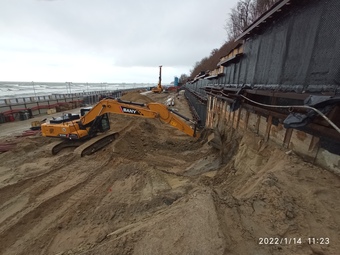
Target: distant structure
{"points": [[176, 80]]}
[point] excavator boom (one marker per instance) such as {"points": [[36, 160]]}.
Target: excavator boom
{"points": [[150, 110]]}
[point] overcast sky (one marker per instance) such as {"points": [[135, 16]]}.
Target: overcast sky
{"points": [[107, 40]]}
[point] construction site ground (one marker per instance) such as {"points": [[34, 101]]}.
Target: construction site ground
{"points": [[156, 190]]}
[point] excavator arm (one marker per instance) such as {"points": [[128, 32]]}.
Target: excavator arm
{"points": [[150, 110], [83, 133], [169, 117]]}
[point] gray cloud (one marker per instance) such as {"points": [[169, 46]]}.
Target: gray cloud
{"points": [[119, 33]]}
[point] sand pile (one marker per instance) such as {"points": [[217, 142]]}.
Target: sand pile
{"points": [[136, 97], [157, 191], [263, 192]]}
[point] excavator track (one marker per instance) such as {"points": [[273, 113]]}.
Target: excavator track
{"points": [[95, 144], [84, 148], [56, 147]]}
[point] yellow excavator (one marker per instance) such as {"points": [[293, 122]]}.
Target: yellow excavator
{"points": [[83, 131], [159, 87]]}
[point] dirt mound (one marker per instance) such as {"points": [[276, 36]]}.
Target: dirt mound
{"points": [[136, 97], [186, 227], [263, 192], [146, 137]]}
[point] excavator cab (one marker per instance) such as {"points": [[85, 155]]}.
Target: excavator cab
{"points": [[105, 123], [100, 124]]}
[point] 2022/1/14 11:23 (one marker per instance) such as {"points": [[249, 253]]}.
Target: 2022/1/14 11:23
{"points": [[293, 240]]}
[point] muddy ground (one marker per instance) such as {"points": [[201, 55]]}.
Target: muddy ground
{"points": [[158, 191]]}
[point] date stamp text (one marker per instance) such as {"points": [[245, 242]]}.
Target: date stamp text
{"points": [[293, 240]]}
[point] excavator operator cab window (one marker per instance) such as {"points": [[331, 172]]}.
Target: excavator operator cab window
{"points": [[105, 123]]}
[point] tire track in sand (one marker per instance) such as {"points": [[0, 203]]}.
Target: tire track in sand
{"points": [[25, 184], [52, 203]]}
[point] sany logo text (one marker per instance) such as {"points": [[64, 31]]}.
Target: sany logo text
{"points": [[129, 110]]}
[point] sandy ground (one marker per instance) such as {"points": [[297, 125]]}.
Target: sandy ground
{"points": [[158, 191]]}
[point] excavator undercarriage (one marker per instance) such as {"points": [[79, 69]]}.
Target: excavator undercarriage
{"points": [[84, 147]]}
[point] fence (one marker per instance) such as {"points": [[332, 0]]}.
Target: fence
{"points": [[26, 107]]}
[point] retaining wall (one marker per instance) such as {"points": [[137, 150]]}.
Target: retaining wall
{"points": [[308, 146]]}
